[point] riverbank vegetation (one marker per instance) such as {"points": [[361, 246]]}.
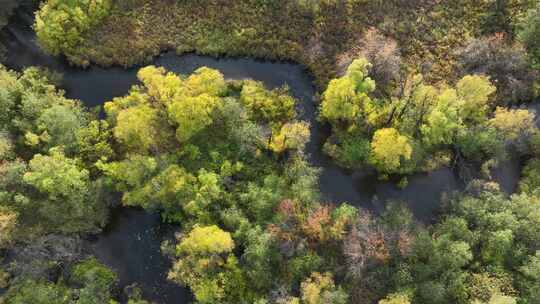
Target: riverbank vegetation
{"points": [[417, 54], [318, 34], [49, 193], [421, 127]]}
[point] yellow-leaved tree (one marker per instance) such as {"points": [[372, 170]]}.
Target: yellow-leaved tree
{"points": [[389, 150]]}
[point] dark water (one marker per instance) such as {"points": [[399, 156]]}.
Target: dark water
{"points": [[130, 244]]}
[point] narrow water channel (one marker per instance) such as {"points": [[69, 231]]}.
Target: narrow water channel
{"points": [[130, 244]]}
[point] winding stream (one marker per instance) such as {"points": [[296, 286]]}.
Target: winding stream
{"points": [[130, 243]]}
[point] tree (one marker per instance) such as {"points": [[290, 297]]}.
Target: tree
{"points": [[61, 24], [389, 150], [138, 128], [292, 136], [443, 121], [94, 143], [86, 282], [480, 143], [414, 130], [130, 175], [530, 180], [396, 299], [498, 299], [60, 123], [320, 289], [474, 92], [206, 81], [37, 115], [502, 16], [9, 90], [8, 222], [206, 263], [346, 98], [163, 86], [57, 176], [96, 280], [485, 231], [193, 114], [6, 147], [274, 106], [488, 288], [530, 279], [37, 292], [327, 223], [261, 258], [529, 33], [206, 241], [516, 126], [65, 198], [514, 123], [437, 268]]}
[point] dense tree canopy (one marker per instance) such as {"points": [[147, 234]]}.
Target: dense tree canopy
{"points": [[44, 135], [404, 133], [219, 158], [416, 85], [50, 190], [89, 282]]}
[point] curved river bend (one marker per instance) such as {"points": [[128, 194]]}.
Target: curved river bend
{"points": [[130, 244]]}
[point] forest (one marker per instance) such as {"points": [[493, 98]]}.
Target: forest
{"points": [[403, 88]]}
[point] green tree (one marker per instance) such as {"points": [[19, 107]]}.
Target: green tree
{"points": [[130, 175], [137, 128], [206, 263], [443, 121], [65, 201], [193, 114], [389, 150], [292, 136], [474, 92], [396, 299], [59, 125], [529, 33], [37, 292], [321, 289], [275, 106], [163, 86], [530, 279], [96, 280], [530, 180], [57, 176], [94, 143], [61, 25], [8, 222], [205, 80], [261, 259], [346, 98], [38, 115], [514, 126]]}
